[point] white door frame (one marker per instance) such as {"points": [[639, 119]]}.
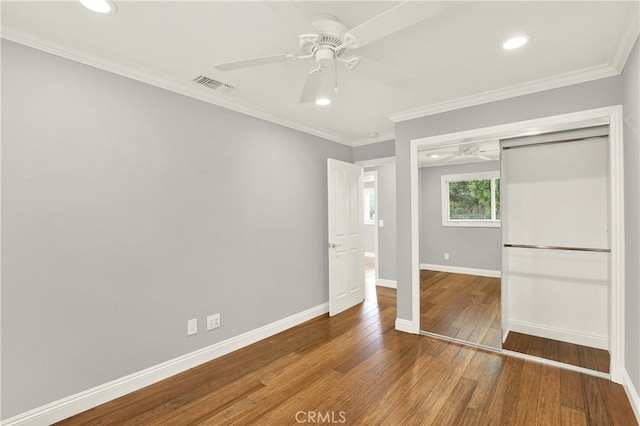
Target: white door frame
{"points": [[376, 206], [608, 115]]}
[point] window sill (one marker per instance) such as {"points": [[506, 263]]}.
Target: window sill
{"points": [[472, 223]]}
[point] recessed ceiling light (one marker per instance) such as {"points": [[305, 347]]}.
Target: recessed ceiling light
{"points": [[100, 6], [373, 134], [515, 42], [323, 101]]}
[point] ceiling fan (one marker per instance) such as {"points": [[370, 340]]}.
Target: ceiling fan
{"points": [[327, 42], [464, 152]]}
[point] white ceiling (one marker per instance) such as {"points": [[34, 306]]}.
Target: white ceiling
{"points": [[454, 56]]}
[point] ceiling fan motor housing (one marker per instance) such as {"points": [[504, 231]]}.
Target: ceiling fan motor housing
{"points": [[327, 45], [324, 56]]}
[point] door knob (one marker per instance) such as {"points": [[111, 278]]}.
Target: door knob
{"points": [[334, 245]]}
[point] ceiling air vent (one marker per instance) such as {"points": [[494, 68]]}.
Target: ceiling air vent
{"points": [[214, 84]]}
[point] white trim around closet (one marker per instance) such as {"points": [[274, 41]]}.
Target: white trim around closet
{"points": [[609, 115]]}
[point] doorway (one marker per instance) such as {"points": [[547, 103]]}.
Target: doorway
{"points": [[603, 116], [370, 220]]}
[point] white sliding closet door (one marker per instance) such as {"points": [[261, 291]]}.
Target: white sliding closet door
{"points": [[557, 195]]}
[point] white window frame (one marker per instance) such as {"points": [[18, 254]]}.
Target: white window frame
{"points": [[478, 223], [366, 192]]}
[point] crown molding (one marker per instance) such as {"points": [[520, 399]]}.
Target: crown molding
{"points": [[615, 66], [628, 37], [626, 41], [165, 82], [374, 162], [588, 74], [384, 137]]}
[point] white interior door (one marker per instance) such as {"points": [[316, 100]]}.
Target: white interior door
{"points": [[346, 251], [556, 195]]}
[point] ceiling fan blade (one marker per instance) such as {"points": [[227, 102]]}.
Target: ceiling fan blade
{"points": [[383, 73], [246, 63], [311, 87], [445, 157], [291, 16], [395, 19]]}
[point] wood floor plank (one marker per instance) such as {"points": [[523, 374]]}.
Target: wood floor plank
{"points": [[569, 353], [505, 396], [193, 406], [357, 365], [290, 411], [571, 395], [526, 407], [463, 306], [616, 402], [452, 412], [367, 383], [549, 411], [440, 380], [485, 368], [596, 407], [571, 417], [404, 390]]}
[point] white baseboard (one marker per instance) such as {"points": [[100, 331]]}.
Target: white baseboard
{"points": [[407, 326], [369, 254], [461, 270], [632, 394], [74, 404], [382, 282], [559, 334]]}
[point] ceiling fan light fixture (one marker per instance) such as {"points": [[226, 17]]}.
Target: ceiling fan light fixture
{"points": [[323, 101], [100, 6], [515, 42]]}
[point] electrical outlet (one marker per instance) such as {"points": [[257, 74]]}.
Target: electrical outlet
{"points": [[446, 256], [192, 327], [213, 321]]}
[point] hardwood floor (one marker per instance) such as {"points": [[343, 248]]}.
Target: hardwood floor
{"points": [[569, 353], [355, 368], [466, 307]]}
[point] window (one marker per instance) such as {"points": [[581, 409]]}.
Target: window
{"points": [[369, 206], [471, 199]]}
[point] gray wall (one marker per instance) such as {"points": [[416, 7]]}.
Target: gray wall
{"points": [[128, 210], [387, 234], [374, 150], [631, 89], [467, 247]]}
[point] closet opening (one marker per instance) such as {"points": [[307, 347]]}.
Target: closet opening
{"points": [[610, 264]]}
